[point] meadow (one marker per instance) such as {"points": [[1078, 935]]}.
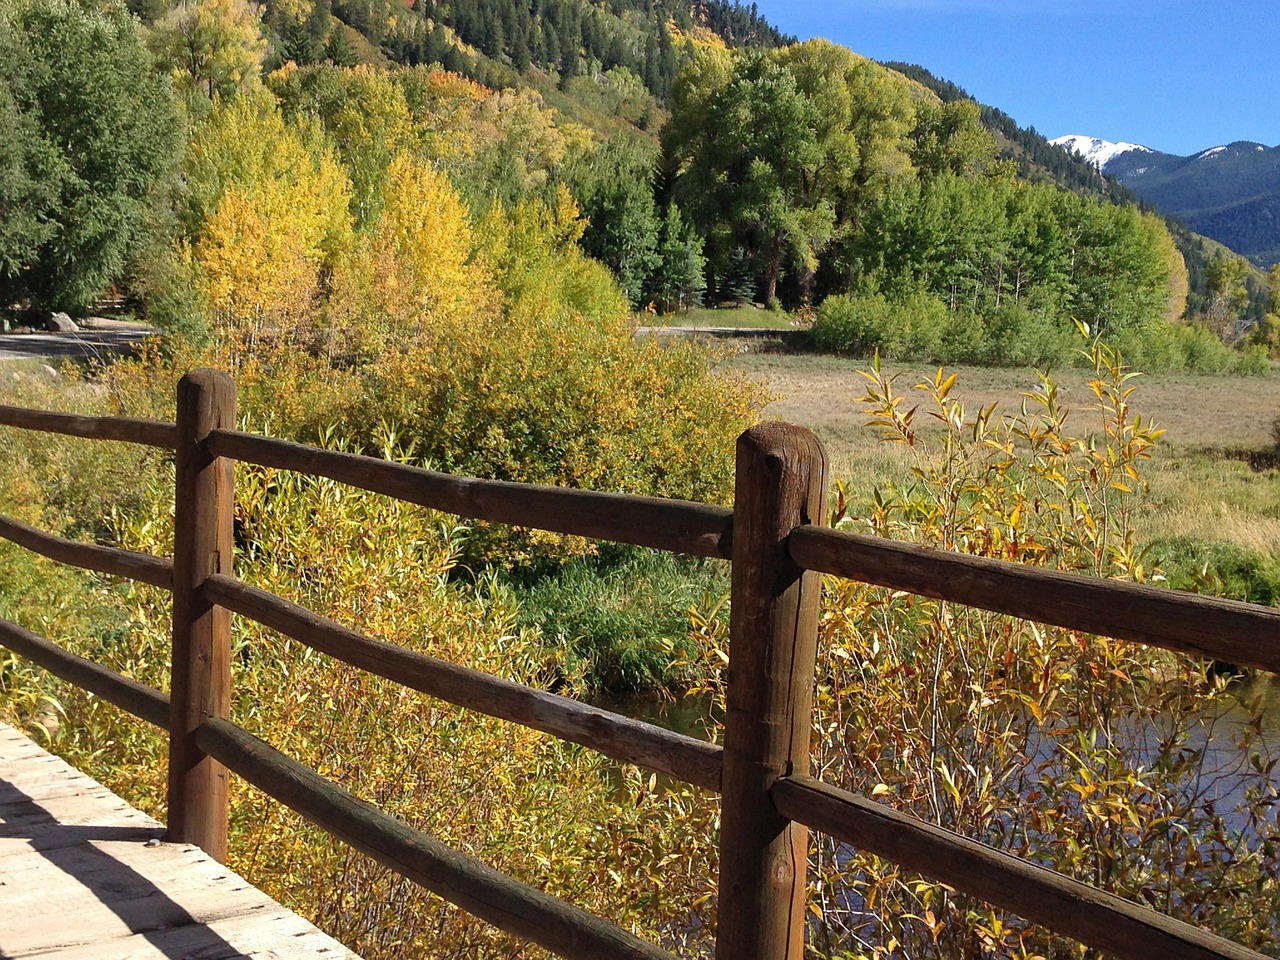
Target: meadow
{"points": [[1214, 476]]}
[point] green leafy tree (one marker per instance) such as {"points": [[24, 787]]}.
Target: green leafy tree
{"points": [[613, 185], [950, 136], [782, 153], [764, 152], [212, 47], [89, 132], [30, 168], [1228, 296]]}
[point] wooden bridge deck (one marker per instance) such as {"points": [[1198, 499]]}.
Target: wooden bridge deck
{"points": [[84, 876]]}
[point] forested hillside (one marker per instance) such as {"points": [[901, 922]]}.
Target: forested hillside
{"points": [[1229, 192], [689, 147]]}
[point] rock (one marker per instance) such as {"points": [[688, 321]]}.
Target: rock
{"points": [[49, 371], [47, 721], [61, 323]]}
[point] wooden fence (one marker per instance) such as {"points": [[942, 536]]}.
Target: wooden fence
{"points": [[778, 550]]}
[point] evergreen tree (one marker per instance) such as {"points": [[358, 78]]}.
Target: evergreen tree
{"points": [[520, 56], [738, 281], [678, 280], [338, 49]]}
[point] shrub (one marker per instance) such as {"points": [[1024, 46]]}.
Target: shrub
{"points": [[856, 325], [913, 328], [1173, 347], [1018, 336], [621, 624]]}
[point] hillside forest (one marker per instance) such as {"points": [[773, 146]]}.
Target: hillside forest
{"points": [[245, 185], [427, 232]]}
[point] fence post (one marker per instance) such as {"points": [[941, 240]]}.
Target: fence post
{"points": [[201, 679], [781, 483]]}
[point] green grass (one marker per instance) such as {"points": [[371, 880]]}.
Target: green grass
{"points": [[744, 317], [621, 623]]}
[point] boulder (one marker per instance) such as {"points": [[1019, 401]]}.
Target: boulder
{"points": [[61, 323]]}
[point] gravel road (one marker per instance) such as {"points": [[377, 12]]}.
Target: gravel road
{"points": [[82, 344]]}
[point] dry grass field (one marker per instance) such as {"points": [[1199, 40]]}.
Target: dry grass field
{"points": [[1216, 475]]}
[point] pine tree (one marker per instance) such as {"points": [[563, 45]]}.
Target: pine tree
{"points": [[738, 283], [678, 281]]}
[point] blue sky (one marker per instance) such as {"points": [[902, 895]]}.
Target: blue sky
{"points": [[1173, 75]]}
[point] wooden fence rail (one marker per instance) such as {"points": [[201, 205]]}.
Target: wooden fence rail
{"points": [[677, 526], [1244, 634], [631, 741], [149, 433], [778, 551]]}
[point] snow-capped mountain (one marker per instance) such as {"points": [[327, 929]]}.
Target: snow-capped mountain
{"points": [[1230, 192], [1095, 150]]}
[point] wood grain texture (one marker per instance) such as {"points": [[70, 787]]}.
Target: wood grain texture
{"points": [[1241, 633], [200, 687], [631, 741], [157, 571], [480, 890], [679, 526], [1034, 893], [83, 876], [781, 484], [141, 701], [150, 433]]}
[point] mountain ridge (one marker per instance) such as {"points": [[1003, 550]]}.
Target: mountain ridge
{"points": [[1228, 192], [1096, 150]]}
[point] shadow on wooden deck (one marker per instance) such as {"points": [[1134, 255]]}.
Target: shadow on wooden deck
{"points": [[84, 876]]}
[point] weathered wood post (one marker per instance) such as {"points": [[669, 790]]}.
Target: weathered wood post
{"points": [[201, 682], [781, 483]]}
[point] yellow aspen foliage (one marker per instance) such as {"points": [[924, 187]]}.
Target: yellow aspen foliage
{"points": [[213, 47], [526, 138], [1179, 280], [246, 142], [417, 274], [370, 128], [369, 124], [445, 108], [276, 216]]}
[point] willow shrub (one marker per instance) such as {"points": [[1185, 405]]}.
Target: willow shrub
{"points": [[1103, 759], [1130, 768], [553, 815]]}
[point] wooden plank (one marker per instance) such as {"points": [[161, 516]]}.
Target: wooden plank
{"points": [[150, 433], [773, 627], [203, 544], [1073, 909], [140, 700], [258, 937], [680, 526], [480, 890], [48, 791], [1244, 634], [129, 564], [101, 886], [631, 741]]}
